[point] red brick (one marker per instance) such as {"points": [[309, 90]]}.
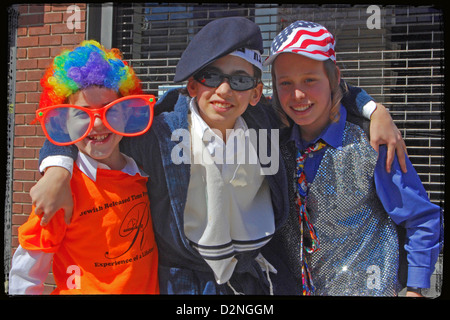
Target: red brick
{"points": [[21, 197], [38, 52], [21, 76], [35, 8], [35, 142], [23, 175], [24, 153], [22, 31], [53, 17], [16, 208], [19, 142], [17, 186], [30, 118], [33, 97], [25, 107], [26, 86], [74, 39], [19, 219], [20, 97], [35, 75], [39, 131], [19, 118], [45, 63], [60, 28], [52, 40], [24, 130], [14, 242], [27, 20], [27, 42], [37, 174], [14, 231], [32, 165], [26, 64], [23, 8], [45, 29], [26, 208], [18, 164], [21, 53], [27, 185]]}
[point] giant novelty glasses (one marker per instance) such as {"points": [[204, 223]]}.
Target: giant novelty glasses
{"points": [[213, 79], [66, 124]]}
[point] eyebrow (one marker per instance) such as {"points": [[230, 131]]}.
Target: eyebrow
{"points": [[87, 106], [311, 73], [236, 72]]}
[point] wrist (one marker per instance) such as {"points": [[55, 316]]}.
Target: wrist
{"points": [[60, 173], [57, 161], [368, 109], [414, 289]]}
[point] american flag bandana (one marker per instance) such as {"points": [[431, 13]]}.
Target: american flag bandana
{"points": [[309, 39]]}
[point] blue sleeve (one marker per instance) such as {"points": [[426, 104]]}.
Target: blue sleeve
{"points": [[405, 200], [50, 149], [355, 98]]}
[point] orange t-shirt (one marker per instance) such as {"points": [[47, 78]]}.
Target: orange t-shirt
{"points": [[109, 246]]}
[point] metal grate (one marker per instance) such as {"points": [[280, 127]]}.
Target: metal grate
{"points": [[400, 63]]}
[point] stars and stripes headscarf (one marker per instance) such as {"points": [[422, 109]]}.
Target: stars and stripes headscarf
{"points": [[309, 39]]}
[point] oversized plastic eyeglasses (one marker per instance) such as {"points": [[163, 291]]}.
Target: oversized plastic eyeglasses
{"points": [[213, 79], [67, 124]]}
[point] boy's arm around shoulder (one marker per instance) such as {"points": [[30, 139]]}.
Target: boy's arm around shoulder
{"points": [[381, 129]]}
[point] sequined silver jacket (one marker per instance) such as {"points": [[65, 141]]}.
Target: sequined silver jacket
{"points": [[358, 252]]}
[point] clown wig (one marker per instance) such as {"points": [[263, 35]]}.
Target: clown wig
{"points": [[89, 64]]}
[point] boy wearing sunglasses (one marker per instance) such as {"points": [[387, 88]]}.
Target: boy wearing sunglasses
{"points": [[212, 219], [109, 248]]}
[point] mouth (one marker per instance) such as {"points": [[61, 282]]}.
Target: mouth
{"points": [[221, 106], [99, 138], [301, 108]]}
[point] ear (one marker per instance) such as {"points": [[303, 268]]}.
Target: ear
{"points": [[256, 94], [192, 87]]}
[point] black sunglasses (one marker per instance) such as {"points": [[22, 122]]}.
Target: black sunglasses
{"points": [[213, 79]]}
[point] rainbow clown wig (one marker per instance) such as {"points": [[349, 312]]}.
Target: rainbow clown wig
{"points": [[89, 64]]}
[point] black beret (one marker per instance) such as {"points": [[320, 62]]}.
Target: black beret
{"points": [[215, 40]]}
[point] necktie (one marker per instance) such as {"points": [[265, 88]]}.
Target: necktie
{"points": [[309, 241]]}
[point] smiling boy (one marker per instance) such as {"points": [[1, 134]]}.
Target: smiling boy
{"points": [[106, 249]]}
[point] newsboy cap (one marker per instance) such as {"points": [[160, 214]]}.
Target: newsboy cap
{"points": [[215, 40]]}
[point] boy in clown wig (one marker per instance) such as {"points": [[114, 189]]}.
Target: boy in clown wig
{"points": [[91, 98]]}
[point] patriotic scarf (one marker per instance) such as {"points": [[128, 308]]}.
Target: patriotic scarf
{"points": [[309, 241]]}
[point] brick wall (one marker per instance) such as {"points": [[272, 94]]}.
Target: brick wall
{"points": [[43, 31]]}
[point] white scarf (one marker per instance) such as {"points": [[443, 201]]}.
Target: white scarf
{"points": [[228, 211]]}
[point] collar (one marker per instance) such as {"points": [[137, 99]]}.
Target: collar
{"points": [[89, 166], [331, 135]]}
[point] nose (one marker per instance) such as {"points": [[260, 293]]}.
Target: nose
{"points": [[299, 93], [98, 122], [224, 88]]}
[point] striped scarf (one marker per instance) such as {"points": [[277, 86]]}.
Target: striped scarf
{"points": [[309, 241]]}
